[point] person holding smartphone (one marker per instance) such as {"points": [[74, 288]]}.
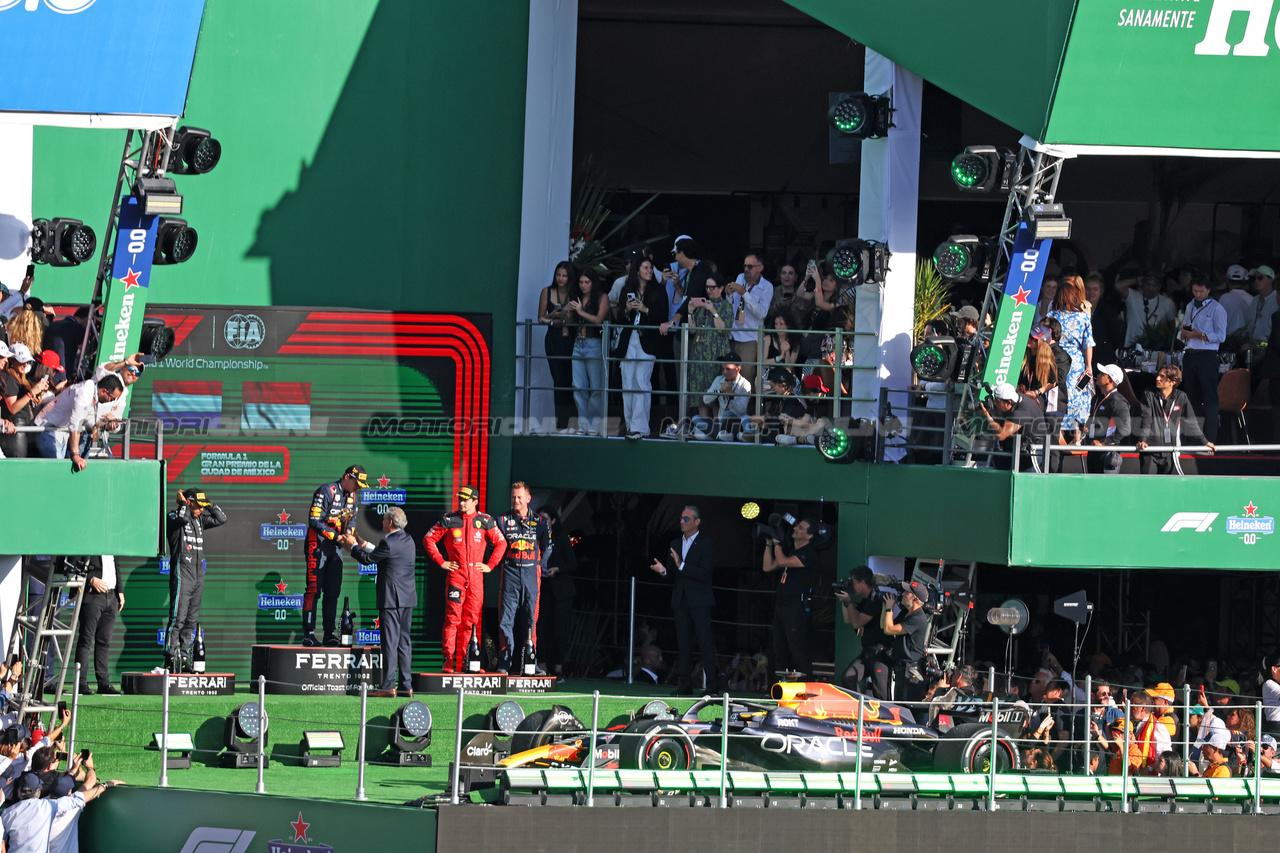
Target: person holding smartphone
{"points": [[1077, 341], [641, 308]]}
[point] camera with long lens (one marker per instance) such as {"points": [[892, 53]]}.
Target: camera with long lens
{"points": [[73, 567], [844, 585], [779, 528]]}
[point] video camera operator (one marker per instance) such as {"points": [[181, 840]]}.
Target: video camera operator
{"points": [[792, 612], [864, 615], [910, 631]]}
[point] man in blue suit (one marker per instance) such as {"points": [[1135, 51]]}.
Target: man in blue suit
{"points": [[397, 595], [689, 564]]}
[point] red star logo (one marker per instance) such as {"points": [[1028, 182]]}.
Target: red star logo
{"points": [[131, 280], [1020, 298], [283, 516], [383, 482], [300, 829], [281, 587], [1251, 511], [376, 622]]}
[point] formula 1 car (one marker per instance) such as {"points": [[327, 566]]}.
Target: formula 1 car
{"points": [[814, 726]]}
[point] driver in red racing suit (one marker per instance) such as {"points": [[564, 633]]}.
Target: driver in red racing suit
{"points": [[466, 533]]}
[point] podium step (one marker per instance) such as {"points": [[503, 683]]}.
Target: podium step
{"points": [[303, 670], [495, 683], [184, 684]]}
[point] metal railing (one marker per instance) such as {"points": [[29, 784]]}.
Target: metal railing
{"points": [[128, 428]]}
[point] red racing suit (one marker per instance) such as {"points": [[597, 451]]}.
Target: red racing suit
{"points": [[465, 540]]}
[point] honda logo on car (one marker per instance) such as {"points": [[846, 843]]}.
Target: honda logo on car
{"points": [[1198, 521]]}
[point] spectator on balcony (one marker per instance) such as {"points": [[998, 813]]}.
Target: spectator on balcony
{"points": [[825, 300], [1014, 413], [1236, 299], [64, 337], [1146, 306], [1109, 420], [1048, 290], [1167, 419], [751, 294], [844, 320], [643, 303], [1263, 306], [1107, 316], [1039, 376], [75, 409], [11, 300], [1271, 690], [725, 403], [691, 281], [785, 290], [26, 326], [1060, 359], [587, 308], [19, 401], [785, 346], [1150, 737], [783, 413], [710, 320], [1213, 757], [1077, 340], [558, 342], [1204, 328]]}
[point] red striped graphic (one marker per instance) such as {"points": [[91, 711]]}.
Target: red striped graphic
{"points": [[184, 386]]}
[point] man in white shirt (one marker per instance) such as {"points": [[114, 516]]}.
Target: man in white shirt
{"points": [[1263, 306], [724, 404], [751, 295], [1237, 299], [1146, 305], [1204, 328], [76, 410]]}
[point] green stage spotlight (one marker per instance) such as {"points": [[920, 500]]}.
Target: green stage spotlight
{"points": [[856, 262], [862, 116], [195, 152], [935, 358], [157, 338], [62, 242], [964, 257], [175, 242], [984, 168]]}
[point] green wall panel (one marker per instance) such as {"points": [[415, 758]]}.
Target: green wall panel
{"points": [[936, 512], [111, 507]]}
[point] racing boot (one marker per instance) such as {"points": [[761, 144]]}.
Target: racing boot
{"points": [[331, 640], [309, 640]]}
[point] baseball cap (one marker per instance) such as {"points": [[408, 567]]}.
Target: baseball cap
{"points": [[49, 358], [197, 496], [1117, 376], [1163, 690], [1267, 741], [1042, 333], [729, 358], [1219, 738], [1005, 391], [469, 493], [1235, 272], [4, 350], [968, 312], [1263, 269], [677, 242], [917, 589], [21, 353], [28, 784], [357, 471], [35, 304], [1195, 711], [62, 787], [813, 382]]}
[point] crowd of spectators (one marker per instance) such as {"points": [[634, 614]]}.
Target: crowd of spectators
{"points": [[727, 332], [43, 412]]}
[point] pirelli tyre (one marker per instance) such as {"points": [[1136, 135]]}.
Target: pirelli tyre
{"points": [[967, 749], [655, 745], [543, 727]]}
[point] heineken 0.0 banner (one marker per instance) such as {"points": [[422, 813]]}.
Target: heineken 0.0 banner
{"points": [[261, 407], [1017, 308]]}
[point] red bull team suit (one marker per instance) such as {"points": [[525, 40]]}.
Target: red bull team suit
{"points": [[528, 546], [466, 537], [332, 514]]}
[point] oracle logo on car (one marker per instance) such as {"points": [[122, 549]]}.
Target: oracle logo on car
{"points": [[1198, 521]]}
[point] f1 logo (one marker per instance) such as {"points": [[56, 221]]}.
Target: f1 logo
{"points": [[1183, 520], [214, 839]]}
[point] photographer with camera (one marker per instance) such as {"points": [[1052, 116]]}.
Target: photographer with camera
{"points": [[864, 615], [910, 631], [791, 614]]}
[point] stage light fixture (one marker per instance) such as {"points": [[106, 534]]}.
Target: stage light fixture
{"points": [[242, 735], [856, 262], [504, 717], [62, 242], [330, 743], [964, 257], [862, 116], [935, 358], [411, 734], [195, 152], [1047, 221], [159, 196], [175, 242], [157, 338], [179, 742], [984, 168], [750, 510]]}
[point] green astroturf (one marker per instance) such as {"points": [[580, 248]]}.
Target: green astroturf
{"points": [[118, 728]]}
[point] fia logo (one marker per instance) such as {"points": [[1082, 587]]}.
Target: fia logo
{"points": [[62, 7], [244, 331]]}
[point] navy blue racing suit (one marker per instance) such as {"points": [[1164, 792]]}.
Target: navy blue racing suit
{"points": [[185, 532], [528, 546], [332, 514]]}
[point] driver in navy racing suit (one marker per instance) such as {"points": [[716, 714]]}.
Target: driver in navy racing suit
{"points": [[528, 538], [330, 526], [184, 529]]}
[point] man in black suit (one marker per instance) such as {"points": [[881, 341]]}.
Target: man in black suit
{"points": [[103, 600], [689, 564], [397, 595]]}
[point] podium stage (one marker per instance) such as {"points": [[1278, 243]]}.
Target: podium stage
{"points": [[301, 670], [496, 683], [180, 684]]}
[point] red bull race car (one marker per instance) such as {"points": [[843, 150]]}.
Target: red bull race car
{"points": [[813, 726]]}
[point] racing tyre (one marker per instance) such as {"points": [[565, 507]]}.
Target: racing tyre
{"points": [[967, 748], [655, 745], [541, 727]]}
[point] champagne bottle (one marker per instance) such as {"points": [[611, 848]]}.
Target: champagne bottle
{"points": [[347, 629], [197, 653], [473, 653], [530, 659]]}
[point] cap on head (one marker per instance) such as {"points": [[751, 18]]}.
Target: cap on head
{"points": [[21, 353], [1163, 690], [1267, 741], [49, 358], [677, 242], [357, 471], [1005, 391], [1218, 738], [1263, 269], [468, 493], [4, 350], [197, 497], [1042, 333], [968, 312], [1235, 272], [29, 786], [813, 382], [917, 589], [62, 787], [729, 358], [34, 304], [1112, 371]]}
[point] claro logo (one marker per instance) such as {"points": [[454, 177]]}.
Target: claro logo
{"points": [[64, 7], [1198, 521], [214, 839], [1252, 43]]}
